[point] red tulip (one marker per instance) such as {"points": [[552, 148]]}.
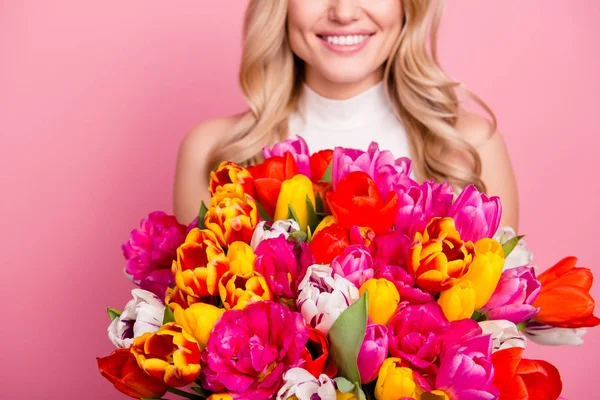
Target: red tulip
{"points": [[356, 202], [328, 243], [318, 164], [565, 300], [315, 355], [521, 379], [122, 370], [268, 178]]}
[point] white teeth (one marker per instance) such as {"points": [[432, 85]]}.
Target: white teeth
{"points": [[346, 40]]}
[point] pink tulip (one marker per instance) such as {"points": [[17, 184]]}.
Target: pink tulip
{"points": [[373, 352], [418, 204], [355, 264], [380, 165], [249, 350], [513, 298], [297, 147], [390, 250], [415, 335], [476, 215], [276, 261], [466, 370], [150, 251]]}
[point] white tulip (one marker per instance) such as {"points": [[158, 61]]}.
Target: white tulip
{"points": [[322, 297], [300, 383], [521, 255], [551, 336], [143, 313], [277, 228], [505, 334]]}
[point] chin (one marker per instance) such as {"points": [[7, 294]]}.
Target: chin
{"points": [[346, 74]]}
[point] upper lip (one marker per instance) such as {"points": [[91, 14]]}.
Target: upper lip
{"points": [[346, 33]]}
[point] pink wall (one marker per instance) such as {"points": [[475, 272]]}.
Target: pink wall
{"points": [[95, 98]]}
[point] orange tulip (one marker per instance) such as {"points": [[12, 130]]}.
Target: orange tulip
{"points": [[232, 216], [169, 354], [200, 264], [177, 298], [438, 257], [564, 300], [122, 370], [230, 176]]}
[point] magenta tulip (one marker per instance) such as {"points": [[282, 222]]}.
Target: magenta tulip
{"points": [[466, 370], [276, 261], [249, 350], [415, 335], [373, 352], [476, 215], [418, 204]]}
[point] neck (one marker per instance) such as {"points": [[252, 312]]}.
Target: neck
{"points": [[341, 90]]}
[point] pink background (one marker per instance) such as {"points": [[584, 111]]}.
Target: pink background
{"points": [[94, 99]]}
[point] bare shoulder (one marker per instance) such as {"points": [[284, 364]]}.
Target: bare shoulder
{"points": [[476, 129], [202, 137], [191, 172], [496, 167]]}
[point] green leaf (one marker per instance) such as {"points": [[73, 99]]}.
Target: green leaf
{"points": [[298, 237], [319, 208], [201, 214], [312, 220], [478, 316], [292, 214], [185, 395], [201, 391], [510, 245], [327, 176], [345, 386], [168, 315], [113, 313], [263, 214], [346, 336]]}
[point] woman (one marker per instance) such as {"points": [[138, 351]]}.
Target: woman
{"points": [[346, 72]]}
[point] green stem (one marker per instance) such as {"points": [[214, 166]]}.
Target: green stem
{"points": [[186, 395]]}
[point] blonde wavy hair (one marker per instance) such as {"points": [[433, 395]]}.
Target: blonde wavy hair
{"points": [[423, 96]]}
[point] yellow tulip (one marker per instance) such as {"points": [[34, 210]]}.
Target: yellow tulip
{"points": [[293, 193], [383, 299], [395, 382], [197, 320], [220, 396], [328, 220], [441, 395], [344, 396], [237, 291], [241, 258], [485, 270], [458, 302]]}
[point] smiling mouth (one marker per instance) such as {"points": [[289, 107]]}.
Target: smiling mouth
{"points": [[345, 40]]}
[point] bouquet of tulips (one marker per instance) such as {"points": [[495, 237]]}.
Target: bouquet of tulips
{"points": [[334, 275]]}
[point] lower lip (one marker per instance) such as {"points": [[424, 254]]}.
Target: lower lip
{"points": [[345, 49]]}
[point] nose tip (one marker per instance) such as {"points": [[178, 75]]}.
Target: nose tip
{"points": [[344, 11]]}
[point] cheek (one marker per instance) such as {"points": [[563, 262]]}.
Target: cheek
{"points": [[387, 14], [300, 21]]}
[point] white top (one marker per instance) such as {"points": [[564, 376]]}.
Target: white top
{"points": [[354, 123]]}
